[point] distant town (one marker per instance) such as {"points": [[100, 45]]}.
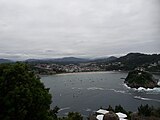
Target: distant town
{"points": [[131, 61], [70, 68], [125, 63]]}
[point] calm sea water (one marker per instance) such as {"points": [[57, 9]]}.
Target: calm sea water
{"points": [[87, 92]]}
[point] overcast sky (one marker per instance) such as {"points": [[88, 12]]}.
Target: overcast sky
{"points": [[80, 28]]}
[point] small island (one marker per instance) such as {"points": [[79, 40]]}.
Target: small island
{"points": [[140, 78]]}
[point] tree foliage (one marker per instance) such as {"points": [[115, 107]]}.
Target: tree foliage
{"points": [[110, 108], [145, 110], [72, 116], [22, 95]]}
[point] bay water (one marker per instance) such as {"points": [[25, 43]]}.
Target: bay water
{"points": [[87, 92]]}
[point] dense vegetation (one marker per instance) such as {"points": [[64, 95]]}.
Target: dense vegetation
{"points": [[133, 60], [147, 111], [144, 112], [72, 116], [24, 97], [119, 108]]}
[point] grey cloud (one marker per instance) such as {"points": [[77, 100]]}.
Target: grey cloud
{"points": [[55, 28]]}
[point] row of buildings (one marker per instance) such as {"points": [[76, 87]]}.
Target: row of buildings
{"points": [[89, 67], [69, 68]]}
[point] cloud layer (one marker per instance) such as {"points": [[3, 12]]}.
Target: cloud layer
{"points": [[82, 28]]}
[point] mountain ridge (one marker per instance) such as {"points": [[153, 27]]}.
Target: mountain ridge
{"points": [[133, 59], [3, 60]]}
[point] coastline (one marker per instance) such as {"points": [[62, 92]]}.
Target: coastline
{"points": [[90, 72]]}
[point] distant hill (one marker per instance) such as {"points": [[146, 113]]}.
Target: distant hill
{"points": [[139, 58], [132, 60], [5, 61], [65, 60], [37, 60], [71, 60], [102, 60], [127, 62]]}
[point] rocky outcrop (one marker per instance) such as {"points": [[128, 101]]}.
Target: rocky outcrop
{"points": [[137, 78]]}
